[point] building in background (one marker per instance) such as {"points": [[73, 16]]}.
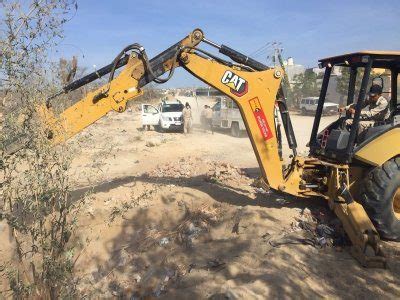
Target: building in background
{"points": [[292, 69], [208, 92]]}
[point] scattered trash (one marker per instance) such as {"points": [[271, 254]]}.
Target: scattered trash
{"points": [[261, 186], [215, 264], [262, 191], [281, 201], [155, 281], [325, 231], [312, 228], [193, 231], [293, 238], [322, 241], [164, 241]]}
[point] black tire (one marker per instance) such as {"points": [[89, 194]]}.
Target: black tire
{"points": [[235, 131], [380, 196], [303, 111]]}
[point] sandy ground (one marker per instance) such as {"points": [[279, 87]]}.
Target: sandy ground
{"points": [[179, 217]]}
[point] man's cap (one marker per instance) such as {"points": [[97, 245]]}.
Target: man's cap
{"points": [[375, 89]]}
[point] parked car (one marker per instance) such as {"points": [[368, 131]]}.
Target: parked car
{"points": [[167, 116], [226, 114], [309, 106]]}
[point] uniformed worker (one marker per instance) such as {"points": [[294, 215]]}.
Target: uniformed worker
{"points": [[203, 118], [378, 109], [187, 118], [208, 118]]}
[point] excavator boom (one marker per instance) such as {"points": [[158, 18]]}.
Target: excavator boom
{"points": [[251, 84]]}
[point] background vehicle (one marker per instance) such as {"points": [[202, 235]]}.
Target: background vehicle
{"points": [[226, 114], [309, 106], [359, 179], [167, 116]]}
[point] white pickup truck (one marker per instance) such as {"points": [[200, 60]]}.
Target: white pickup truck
{"points": [[226, 115], [309, 106], [167, 116]]}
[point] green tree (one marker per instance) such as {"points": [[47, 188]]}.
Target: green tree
{"points": [[306, 84], [342, 85]]}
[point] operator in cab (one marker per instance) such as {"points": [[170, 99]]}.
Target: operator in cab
{"points": [[378, 109]]}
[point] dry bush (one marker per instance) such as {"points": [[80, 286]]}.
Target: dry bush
{"points": [[35, 190]]}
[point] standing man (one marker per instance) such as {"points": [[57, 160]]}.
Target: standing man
{"points": [[208, 118], [203, 118], [378, 109], [187, 118]]}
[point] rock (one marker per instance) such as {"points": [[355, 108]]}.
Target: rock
{"points": [[153, 143], [90, 211], [137, 278], [233, 270], [122, 258]]}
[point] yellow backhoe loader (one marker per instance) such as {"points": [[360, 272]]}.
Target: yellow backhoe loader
{"points": [[358, 176]]}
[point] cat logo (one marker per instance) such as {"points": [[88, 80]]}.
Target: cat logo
{"points": [[238, 85]]}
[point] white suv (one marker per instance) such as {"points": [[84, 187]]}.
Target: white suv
{"points": [[309, 106], [167, 116]]}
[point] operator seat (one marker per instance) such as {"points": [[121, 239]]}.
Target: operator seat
{"points": [[378, 128]]}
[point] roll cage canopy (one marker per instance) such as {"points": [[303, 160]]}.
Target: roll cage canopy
{"points": [[381, 59], [365, 60]]}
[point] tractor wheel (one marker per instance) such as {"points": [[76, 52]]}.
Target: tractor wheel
{"points": [[380, 196], [235, 131]]}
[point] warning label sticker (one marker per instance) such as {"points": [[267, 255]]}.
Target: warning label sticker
{"points": [[260, 118]]}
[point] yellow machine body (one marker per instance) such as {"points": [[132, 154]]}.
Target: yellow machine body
{"points": [[381, 148]]}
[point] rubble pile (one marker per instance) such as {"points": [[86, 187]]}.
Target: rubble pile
{"points": [[184, 168], [225, 172], [214, 171]]}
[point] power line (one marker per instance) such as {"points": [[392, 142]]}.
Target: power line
{"points": [[262, 48]]}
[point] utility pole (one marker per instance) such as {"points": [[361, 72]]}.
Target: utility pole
{"points": [[277, 60]]}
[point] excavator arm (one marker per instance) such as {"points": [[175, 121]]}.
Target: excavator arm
{"points": [[252, 85], [116, 93]]}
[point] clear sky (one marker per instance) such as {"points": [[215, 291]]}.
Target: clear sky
{"points": [[308, 30]]}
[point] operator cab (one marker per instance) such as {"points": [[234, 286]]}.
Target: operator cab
{"points": [[338, 142]]}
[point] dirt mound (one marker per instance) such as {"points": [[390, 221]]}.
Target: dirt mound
{"points": [[211, 171]]}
